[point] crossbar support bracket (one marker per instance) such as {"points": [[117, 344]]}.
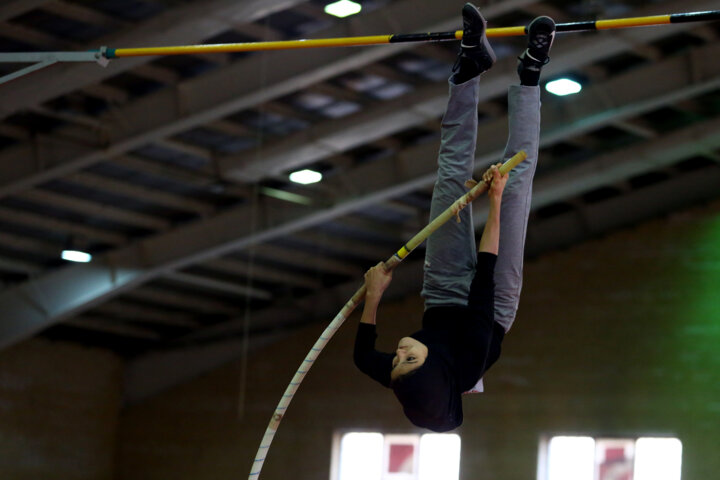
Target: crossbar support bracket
{"points": [[40, 60]]}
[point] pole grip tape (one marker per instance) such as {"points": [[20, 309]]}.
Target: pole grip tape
{"points": [[403, 252]]}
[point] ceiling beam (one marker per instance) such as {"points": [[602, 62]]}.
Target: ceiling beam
{"points": [[31, 245], [93, 209], [613, 167], [182, 300], [682, 191], [14, 8], [354, 247], [124, 311], [222, 92], [36, 38], [318, 306], [565, 229], [312, 261], [84, 14], [206, 180], [77, 288], [332, 137], [112, 279], [43, 221], [59, 295], [218, 285], [17, 180], [104, 325], [140, 193], [19, 266], [188, 24], [247, 269]]}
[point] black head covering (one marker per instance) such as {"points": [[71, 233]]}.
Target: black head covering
{"points": [[429, 395]]}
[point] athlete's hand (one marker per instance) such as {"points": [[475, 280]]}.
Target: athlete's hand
{"points": [[495, 180], [377, 280]]}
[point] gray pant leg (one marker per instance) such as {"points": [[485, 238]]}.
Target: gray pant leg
{"points": [[524, 134], [450, 252]]}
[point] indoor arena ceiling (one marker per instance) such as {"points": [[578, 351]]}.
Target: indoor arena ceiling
{"points": [[173, 171]]}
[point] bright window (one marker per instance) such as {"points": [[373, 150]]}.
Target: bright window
{"points": [[588, 458], [571, 458], [361, 456], [439, 456], [374, 456], [658, 458]]}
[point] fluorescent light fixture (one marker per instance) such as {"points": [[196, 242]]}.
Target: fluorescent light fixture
{"points": [[563, 86], [343, 8], [305, 177], [76, 256]]}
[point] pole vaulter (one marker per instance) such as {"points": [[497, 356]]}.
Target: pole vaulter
{"points": [[355, 300]]}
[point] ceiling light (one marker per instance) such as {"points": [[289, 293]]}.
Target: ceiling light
{"points": [[305, 176], [563, 86], [343, 8], [76, 256]]}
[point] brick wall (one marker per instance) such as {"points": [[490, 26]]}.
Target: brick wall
{"points": [[59, 406]]}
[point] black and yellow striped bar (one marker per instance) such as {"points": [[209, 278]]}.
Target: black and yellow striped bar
{"points": [[654, 20]]}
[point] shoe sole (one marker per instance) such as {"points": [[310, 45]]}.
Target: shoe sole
{"points": [[485, 42]]}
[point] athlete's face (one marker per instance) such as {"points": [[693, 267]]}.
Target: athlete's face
{"points": [[410, 355]]}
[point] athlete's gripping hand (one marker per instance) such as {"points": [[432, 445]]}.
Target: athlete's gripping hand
{"points": [[377, 280], [495, 180]]}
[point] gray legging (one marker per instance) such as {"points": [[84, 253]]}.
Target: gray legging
{"points": [[450, 257]]}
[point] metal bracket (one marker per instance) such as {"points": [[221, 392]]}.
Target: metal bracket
{"points": [[101, 57], [41, 60]]}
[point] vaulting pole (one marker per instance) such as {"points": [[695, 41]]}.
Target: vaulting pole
{"points": [[413, 37], [358, 297]]}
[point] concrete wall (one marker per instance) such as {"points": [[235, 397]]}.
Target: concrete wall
{"points": [[59, 407], [619, 336]]}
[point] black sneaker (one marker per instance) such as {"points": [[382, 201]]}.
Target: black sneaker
{"points": [[476, 55], [541, 33]]}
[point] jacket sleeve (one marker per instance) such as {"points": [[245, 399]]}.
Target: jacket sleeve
{"points": [[482, 288], [376, 365], [481, 339]]}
